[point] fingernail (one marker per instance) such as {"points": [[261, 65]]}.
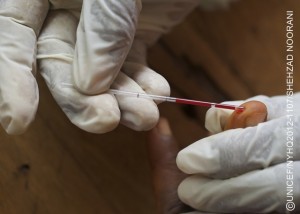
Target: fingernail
{"points": [[163, 127]]}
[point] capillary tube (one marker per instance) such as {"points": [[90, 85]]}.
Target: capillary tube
{"points": [[176, 100]]}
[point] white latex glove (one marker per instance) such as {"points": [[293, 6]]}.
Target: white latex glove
{"points": [[243, 170], [77, 62], [104, 35], [80, 55], [20, 22], [100, 51]]}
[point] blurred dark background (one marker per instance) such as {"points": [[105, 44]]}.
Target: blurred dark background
{"points": [[55, 168]]}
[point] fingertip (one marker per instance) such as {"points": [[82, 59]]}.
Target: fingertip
{"points": [[259, 114], [181, 160], [100, 114], [14, 126], [190, 190], [18, 112], [255, 112], [138, 114], [201, 157], [187, 162], [186, 192], [16, 120], [99, 124], [150, 81], [163, 127], [161, 133], [182, 191]]}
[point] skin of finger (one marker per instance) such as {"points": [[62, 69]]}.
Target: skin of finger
{"points": [[162, 150], [244, 193], [104, 37], [216, 119], [139, 114], [96, 114], [276, 106], [254, 112]]}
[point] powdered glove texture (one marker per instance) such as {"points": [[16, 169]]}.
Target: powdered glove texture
{"points": [[243, 170]]}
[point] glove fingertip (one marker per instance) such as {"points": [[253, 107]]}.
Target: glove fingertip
{"points": [[181, 190], [16, 120], [190, 190], [96, 114], [141, 120], [181, 161]]}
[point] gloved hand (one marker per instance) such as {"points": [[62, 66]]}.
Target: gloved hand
{"points": [[104, 37], [244, 170], [81, 50], [97, 61], [80, 55]]}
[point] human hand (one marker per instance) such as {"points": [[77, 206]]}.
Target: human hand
{"points": [[103, 39], [101, 113], [163, 149], [243, 169], [81, 51], [80, 55]]}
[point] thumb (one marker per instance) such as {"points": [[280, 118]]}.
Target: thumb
{"points": [[104, 37]]}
